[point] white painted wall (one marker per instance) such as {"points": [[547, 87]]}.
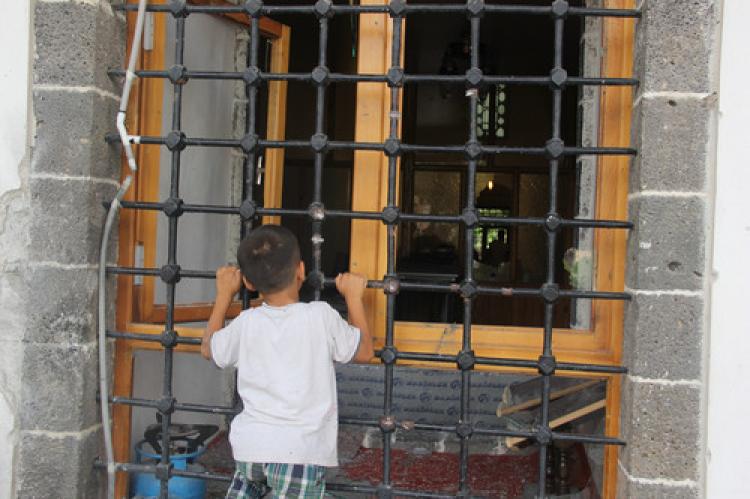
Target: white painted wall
{"points": [[14, 109], [14, 83], [728, 460]]}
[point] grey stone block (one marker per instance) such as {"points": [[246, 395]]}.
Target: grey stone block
{"points": [[671, 136], [67, 220], [664, 336], [58, 388], [661, 424], [53, 467], [70, 130], [61, 304], [666, 248], [674, 44], [76, 43]]}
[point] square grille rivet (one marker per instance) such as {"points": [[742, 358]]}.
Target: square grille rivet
{"points": [[173, 207], [395, 76], [166, 405], [175, 140], [316, 211], [560, 8], [552, 222], [550, 292], [547, 365], [249, 143], [554, 148], [474, 77], [248, 209], [391, 285], [178, 8], [389, 355], [315, 280], [544, 435], [387, 424], [469, 217], [391, 215], [466, 360], [319, 142], [323, 8], [473, 150], [170, 273], [385, 491], [475, 7], [396, 8], [254, 8], [169, 339], [163, 470], [251, 76], [558, 77], [392, 147], [319, 75], [178, 74], [468, 289], [464, 430]]}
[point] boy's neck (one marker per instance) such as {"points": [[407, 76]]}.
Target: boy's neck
{"points": [[284, 297]]}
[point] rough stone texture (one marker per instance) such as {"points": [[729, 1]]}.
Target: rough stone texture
{"points": [[664, 336], [674, 44], [54, 466], [62, 305], [49, 239], [661, 425], [59, 384], [68, 219], [659, 124], [73, 125], [73, 44], [666, 248]]}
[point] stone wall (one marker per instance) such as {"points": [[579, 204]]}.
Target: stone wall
{"points": [[670, 205], [49, 239]]}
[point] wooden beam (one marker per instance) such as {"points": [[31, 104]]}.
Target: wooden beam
{"points": [[267, 26], [276, 128], [529, 404], [511, 442]]}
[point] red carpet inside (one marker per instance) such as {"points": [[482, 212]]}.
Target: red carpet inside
{"points": [[489, 476]]}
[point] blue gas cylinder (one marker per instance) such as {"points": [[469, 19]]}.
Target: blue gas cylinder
{"points": [[147, 486]]}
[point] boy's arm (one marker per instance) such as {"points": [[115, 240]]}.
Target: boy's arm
{"points": [[352, 287], [228, 282]]}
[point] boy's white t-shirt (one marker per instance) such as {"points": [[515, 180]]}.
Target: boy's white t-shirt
{"points": [[285, 375]]}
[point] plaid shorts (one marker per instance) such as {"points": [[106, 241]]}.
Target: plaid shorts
{"points": [[277, 480]]}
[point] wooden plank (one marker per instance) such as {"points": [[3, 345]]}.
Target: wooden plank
{"points": [[277, 90], [616, 109], [531, 403], [369, 175], [511, 442], [195, 312]]}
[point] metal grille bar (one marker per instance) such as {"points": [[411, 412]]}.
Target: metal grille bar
{"points": [[252, 145]]}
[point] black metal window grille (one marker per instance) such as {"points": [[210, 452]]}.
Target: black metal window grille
{"points": [[252, 145]]}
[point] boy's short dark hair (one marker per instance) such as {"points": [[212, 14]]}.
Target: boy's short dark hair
{"points": [[269, 257]]}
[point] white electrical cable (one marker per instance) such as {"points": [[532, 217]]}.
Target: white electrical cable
{"points": [[102, 317]]}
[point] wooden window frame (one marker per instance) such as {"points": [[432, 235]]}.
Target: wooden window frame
{"points": [[602, 343], [136, 311]]}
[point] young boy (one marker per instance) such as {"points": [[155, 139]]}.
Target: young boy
{"points": [[284, 352]]}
